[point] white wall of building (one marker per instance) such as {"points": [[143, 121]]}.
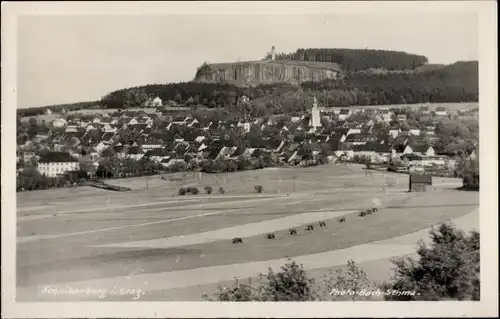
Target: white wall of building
{"points": [[53, 169]]}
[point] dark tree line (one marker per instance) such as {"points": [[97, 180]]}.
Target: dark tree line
{"points": [[34, 111], [356, 60]]}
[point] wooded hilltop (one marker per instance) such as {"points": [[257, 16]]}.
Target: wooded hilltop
{"points": [[369, 77]]}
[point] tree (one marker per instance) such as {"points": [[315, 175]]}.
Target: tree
{"points": [[108, 152], [447, 269], [291, 283], [350, 282]]}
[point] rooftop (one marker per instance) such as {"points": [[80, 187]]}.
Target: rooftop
{"points": [[57, 157]]}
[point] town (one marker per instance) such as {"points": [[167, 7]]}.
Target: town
{"points": [[169, 168], [64, 147]]}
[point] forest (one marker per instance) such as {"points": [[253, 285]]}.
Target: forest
{"points": [[357, 60], [456, 82]]}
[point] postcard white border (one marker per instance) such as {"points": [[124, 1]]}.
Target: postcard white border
{"points": [[488, 306]]}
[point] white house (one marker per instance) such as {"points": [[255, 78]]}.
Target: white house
{"points": [[401, 117], [353, 131], [193, 122], [101, 147], [108, 129], [425, 150], [157, 102], [414, 131], [60, 122], [246, 127], [344, 114], [394, 132], [71, 129], [202, 147], [441, 111], [56, 163], [199, 139]]}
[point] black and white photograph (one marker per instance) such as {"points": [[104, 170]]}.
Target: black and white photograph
{"points": [[221, 153]]}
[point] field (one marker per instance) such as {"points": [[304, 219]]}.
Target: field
{"points": [[178, 247]]}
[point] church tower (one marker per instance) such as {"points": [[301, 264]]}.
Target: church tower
{"points": [[315, 115], [273, 53]]}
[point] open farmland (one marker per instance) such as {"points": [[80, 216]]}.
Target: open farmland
{"points": [[176, 247]]}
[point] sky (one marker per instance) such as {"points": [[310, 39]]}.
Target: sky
{"points": [[65, 59]]}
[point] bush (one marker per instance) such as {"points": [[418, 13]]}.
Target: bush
{"points": [[259, 188], [237, 240], [289, 284], [221, 190], [208, 189], [192, 190], [350, 279], [448, 269], [182, 191]]}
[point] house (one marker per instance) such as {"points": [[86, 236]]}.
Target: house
{"points": [[355, 139], [27, 156], [344, 114], [424, 150], [180, 119], [106, 127], [419, 182], [401, 117], [365, 150], [101, 146], [90, 127], [383, 152], [415, 131], [169, 162], [135, 153], [150, 143], [424, 110], [158, 154], [60, 122], [157, 102], [57, 163], [473, 156], [107, 137], [394, 132], [441, 111], [385, 115], [132, 121]]}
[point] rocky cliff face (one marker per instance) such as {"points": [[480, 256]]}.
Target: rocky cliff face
{"points": [[267, 72]]}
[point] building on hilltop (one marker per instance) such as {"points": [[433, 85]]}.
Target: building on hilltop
{"points": [[57, 163]]}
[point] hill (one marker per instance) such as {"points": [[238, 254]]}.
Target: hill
{"points": [[340, 77]]}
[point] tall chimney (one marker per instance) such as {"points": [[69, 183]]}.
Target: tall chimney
{"points": [[273, 53]]}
